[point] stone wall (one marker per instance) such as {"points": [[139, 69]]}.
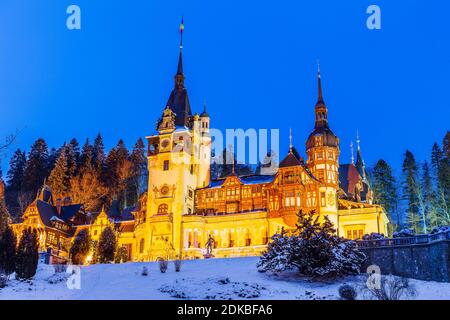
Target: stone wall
{"points": [[423, 260]]}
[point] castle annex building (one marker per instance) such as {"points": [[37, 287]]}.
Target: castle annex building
{"points": [[183, 207]]}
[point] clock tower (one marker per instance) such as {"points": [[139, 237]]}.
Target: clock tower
{"points": [[178, 163]]}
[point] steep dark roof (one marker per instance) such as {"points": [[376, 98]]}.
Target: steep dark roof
{"points": [[46, 211], [290, 161], [257, 179]]}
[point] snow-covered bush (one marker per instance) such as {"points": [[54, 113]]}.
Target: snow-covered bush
{"points": [[277, 256], [373, 236], [440, 229], [121, 255], [144, 271], [60, 268], [405, 233], [313, 249], [3, 280], [391, 288], [347, 292], [163, 265], [58, 277], [177, 264]]}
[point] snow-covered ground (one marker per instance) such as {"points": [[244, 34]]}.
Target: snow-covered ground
{"points": [[199, 279]]}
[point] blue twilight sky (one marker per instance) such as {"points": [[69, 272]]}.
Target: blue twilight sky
{"points": [[253, 61]]}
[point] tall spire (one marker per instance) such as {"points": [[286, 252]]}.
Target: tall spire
{"points": [[180, 58], [290, 140], [321, 109], [360, 165], [319, 85]]}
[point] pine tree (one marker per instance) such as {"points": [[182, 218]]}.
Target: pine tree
{"points": [[384, 188], [137, 180], [413, 194], [15, 180], [27, 255], [87, 158], [441, 176], [5, 218], [36, 168], [8, 244], [59, 177], [80, 248], [72, 156], [75, 146], [99, 155], [107, 245]]}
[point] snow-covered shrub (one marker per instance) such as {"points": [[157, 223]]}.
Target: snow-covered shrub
{"points": [[3, 280], [58, 277], [144, 271], [392, 288], [440, 229], [277, 256], [313, 249], [121, 255], [405, 233], [60, 268], [177, 264], [347, 292], [373, 236], [163, 265]]}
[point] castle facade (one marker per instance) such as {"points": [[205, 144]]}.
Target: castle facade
{"points": [[184, 208]]}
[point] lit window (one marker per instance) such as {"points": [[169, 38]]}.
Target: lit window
{"points": [[163, 208], [166, 165], [322, 199]]}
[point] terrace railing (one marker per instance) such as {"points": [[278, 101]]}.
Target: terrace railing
{"points": [[419, 239]]}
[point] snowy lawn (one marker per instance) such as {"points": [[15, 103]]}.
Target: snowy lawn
{"points": [[199, 279]]}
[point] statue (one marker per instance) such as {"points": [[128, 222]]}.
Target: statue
{"points": [[209, 246]]}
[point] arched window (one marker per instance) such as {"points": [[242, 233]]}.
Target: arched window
{"points": [[163, 208]]}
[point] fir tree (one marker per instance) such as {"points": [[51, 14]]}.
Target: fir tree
{"points": [[80, 248], [59, 177], [5, 218], [75, 146], [137, 180], [15, 189], [27, 255], [8, 244], [36, 168], [107, 245], [72, 156], [384, 188], [99, 154], [87, 158], [413, 194], [121, 255]]}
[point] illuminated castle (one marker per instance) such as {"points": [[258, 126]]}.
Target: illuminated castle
{"points": [[183, 207]]}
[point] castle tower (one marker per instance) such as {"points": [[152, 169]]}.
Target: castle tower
{"points": [[322, 149], [178, 163]]}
